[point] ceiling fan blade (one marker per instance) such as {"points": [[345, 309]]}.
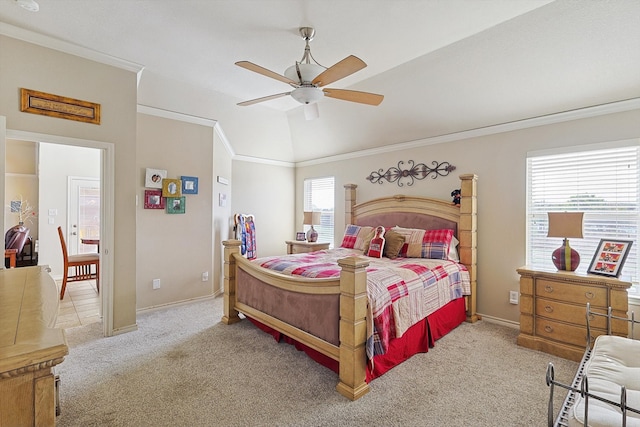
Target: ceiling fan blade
{"points": [[264, 98], [261, 70], [354, 96], [344, 68]]}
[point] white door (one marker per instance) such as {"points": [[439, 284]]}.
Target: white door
{"points": [[83, 215]]}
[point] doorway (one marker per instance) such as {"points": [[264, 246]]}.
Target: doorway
{"points": [[49, 215]]}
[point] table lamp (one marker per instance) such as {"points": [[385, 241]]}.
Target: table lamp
{"points": [[311, 218], [565, 225]]}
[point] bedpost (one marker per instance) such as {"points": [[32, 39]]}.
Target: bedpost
{"points": [[353, 328], [349, 202], [230, 313], [468, 236]]}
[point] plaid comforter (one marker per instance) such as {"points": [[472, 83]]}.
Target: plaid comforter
{"points": [[401, 292]]}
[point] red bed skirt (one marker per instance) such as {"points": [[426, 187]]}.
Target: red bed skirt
{"points": [[417, 339]]}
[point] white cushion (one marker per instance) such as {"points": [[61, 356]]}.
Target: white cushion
{"points": [[614, 362]]}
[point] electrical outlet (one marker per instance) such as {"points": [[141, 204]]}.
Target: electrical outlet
{"points": [[156, 283], [205, 276], [513, 297]]}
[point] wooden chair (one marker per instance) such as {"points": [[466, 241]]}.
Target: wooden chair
{"points": [[80, 265]]}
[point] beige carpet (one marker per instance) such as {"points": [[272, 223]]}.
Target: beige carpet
{"points": [[182, 367]]}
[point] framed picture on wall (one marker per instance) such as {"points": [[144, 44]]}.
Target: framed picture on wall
{"points": [[171, 187], [153, 199], [189, 184], [610, 257], [153, 178], [176, 205]]}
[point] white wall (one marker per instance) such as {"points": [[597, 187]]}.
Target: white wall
{"points": [[27, 65], [175, 248], [266, 191]]}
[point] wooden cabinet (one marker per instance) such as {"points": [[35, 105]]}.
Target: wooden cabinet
{"points": [[553, 310], [295, 247], [30, 347]]}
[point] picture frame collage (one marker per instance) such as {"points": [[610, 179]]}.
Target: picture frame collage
{"points": [[168, 194]]}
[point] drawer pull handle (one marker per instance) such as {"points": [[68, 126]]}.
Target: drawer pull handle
{"points": [[548, 309], [589, 295], [548, 329], [548, 288]]}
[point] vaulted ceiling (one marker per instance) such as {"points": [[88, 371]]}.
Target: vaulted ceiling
{"points": [[443, 66]]}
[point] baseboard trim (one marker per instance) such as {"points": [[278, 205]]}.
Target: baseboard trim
{"points": [[176, 304], [499, 321]]}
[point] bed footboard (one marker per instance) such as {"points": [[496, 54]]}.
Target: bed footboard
{"points": [[350, 291]]}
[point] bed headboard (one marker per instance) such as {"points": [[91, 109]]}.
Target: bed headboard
{"points": [[408, 212], [426, 213]]}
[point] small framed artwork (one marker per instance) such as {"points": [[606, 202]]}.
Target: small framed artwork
{"points": [[175, 205], [153, 178], [153, 199], [610, 257], [189, 184], [171, 187], [300, 236]]}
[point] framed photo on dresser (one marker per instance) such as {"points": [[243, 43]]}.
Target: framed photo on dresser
{"points": [[610, 257]]}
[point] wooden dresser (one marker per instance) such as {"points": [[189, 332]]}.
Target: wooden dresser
{"points": [[553, 310], [304, 247], [30, 347]]}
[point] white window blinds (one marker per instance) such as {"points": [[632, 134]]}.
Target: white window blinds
{"points": [[319, 197], [602, 183]]}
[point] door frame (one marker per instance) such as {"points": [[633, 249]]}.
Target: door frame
{"points": [[107, 195]]}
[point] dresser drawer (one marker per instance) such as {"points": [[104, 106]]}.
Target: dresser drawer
{"points": [[569, 313], [564, 333], [577, 294]]}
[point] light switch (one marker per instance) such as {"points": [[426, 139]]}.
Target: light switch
{"points": [[51, 220]]}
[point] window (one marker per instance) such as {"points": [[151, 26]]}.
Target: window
{"points": [[604, 184], [319, 196]]}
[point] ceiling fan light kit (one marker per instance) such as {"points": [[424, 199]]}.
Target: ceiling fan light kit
{"points": [[308, 78]]}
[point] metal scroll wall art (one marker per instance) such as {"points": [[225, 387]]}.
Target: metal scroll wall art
{"points": [[414, 171]]}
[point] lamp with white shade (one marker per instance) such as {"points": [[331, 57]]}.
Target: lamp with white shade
{"points": [[566, 225], [311, 218]]}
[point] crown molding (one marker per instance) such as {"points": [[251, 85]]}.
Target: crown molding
{"points": [[565, 116], [70, 48], [250, 159]]}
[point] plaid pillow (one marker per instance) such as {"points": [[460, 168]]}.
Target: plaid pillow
{"points": [[354, 236], [434, 244]]}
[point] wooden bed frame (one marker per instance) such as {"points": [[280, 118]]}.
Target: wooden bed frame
{"points": [[350, 288]]}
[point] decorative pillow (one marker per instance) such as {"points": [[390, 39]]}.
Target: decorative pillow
{"points": [[394, 242], [432, 244], [377, 243], [354, 236], [392, 246]]}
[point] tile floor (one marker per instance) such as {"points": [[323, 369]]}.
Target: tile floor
{"points": [[80, 306]]}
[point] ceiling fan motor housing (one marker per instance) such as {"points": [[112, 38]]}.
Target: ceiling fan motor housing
{"points": [[308, 72]]}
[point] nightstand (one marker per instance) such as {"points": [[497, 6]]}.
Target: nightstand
{"points": [[295, 247], [553, 310]]}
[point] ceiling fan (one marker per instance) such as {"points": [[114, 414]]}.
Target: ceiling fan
{"points": [[309, 78]]}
